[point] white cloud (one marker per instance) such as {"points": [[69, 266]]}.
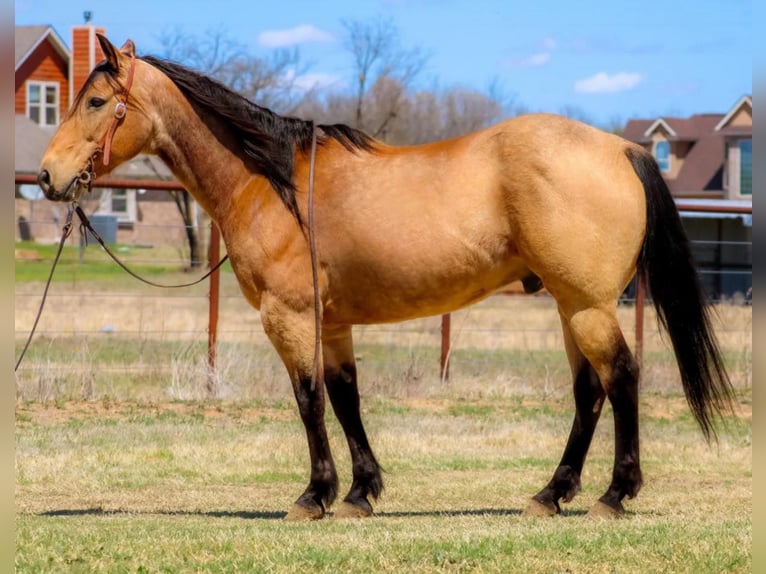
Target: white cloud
{"points": [[302, 34], [603, 83], [311, 80], [316, 80], [539, 59], [548, 44]]}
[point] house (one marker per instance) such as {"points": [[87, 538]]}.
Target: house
{"points": [[707, 160], [48, 75]]}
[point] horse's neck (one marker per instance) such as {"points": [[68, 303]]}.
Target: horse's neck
{"points": [[201, 162]]}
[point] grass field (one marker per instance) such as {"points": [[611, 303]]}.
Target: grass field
{"points": [[123, 466], [189, 487]]}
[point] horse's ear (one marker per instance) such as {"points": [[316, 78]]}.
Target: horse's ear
{"points": [[109, 51], [128, 48]]}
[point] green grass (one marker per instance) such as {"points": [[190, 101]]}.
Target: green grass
{"points": [[94, 264], [231, 543], [202, 487], [117, 470]]}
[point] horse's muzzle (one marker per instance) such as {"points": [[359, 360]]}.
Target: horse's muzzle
{"points": [[66, 194], [44, 181]]}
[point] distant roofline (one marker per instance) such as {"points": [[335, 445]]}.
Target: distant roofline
{"points": [[657, 123], [58, 43], [734, 110]]}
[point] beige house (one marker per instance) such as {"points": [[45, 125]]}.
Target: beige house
{"points": [[707, 159], [705, 156]]}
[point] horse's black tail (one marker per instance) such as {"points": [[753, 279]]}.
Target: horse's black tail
{"points": [[667, 266]]}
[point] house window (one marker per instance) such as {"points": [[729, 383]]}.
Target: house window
{"points": [[121, 203], [746, 167], [43, 103], [662, 154]]}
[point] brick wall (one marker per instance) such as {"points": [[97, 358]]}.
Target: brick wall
{"points": [[86, 53]]}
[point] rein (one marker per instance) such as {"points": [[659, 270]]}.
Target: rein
{"points": [[66, 233], [85, 222]]}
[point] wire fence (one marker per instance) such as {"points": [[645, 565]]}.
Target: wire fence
{"points": [[107, 335], [115, 337]]}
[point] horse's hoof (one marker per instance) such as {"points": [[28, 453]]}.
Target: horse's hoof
{"points": [[603, 510], [300, 513], [537, 508], [347, 510]]}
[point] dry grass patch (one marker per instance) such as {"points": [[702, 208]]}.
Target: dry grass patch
{"points": [[121, 466], [169, 486]]}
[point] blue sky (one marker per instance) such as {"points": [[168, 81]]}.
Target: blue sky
{"points": [[610, 60]]}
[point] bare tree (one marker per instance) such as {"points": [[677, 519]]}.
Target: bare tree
{"points": [[210, 52], [271, 82], [576, 113], [377, 53], [615, 125], [466, 111], [424, 117]]}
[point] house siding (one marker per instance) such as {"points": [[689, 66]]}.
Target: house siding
{"points": [[45, 64], [159, 222], [677, 152], [744, 117], [732, 165]]}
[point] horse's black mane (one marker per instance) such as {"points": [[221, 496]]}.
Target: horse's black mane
{"points": [[268, 139]]}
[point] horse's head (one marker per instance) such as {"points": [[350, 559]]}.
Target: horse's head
{"points": [[104, 127]]}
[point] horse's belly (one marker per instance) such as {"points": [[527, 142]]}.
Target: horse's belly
{"points": [[379, 294]]}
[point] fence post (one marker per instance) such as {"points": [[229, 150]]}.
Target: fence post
{"points": [[214, 255], [444, 360], [640, 299]]}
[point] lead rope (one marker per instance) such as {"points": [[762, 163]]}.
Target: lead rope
{"points": [[314, 266], [87, 225], [66, 232]]}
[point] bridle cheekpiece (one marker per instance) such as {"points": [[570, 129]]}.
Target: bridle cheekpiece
{"points": [[87, 176]]}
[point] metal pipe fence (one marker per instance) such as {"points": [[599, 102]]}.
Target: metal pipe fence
{"points": [[229, 320]]}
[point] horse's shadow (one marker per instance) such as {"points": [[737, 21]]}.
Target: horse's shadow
{"points": [[274, 515]]}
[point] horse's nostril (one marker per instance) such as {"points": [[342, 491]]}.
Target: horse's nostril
{"points": [[44, 180]]}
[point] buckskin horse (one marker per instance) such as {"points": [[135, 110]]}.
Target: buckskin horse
{"points": [[404, 232]]}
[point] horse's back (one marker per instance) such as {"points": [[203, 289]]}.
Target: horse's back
{"points": [[427, 229]]}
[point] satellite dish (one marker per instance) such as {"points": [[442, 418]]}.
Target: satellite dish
{"points": [[30, 191]]}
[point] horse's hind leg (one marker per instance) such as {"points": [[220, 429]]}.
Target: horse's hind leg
{"points": [[589, 398], [597, 334], [340, 379]]}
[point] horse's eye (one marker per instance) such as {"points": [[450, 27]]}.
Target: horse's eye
{"points": [[96, 102]]}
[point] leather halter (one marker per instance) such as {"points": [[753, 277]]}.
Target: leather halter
{"points": [[120, 109], [86, 176]]}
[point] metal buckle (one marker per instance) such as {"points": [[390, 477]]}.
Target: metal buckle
{"points": [[85, 177], [120, 109]]}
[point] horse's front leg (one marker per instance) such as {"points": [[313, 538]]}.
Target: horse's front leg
{"points": [[292, 333]]}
